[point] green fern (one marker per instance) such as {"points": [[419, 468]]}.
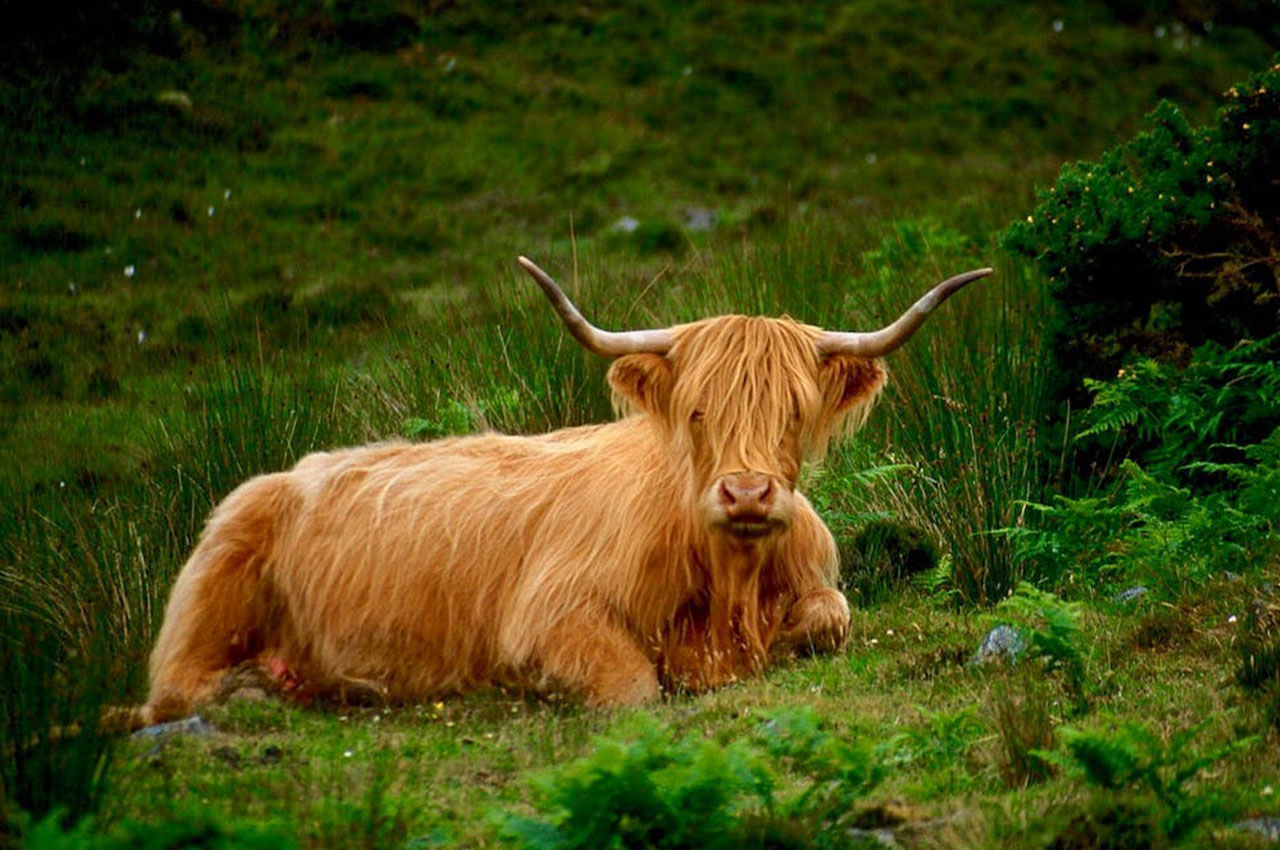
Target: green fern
{"points": [[1052, 626], [1131, 758]]}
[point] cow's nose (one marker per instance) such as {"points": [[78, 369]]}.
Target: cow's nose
{"points": [[746, 495]]}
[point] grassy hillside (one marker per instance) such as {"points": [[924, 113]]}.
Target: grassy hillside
{"points": [[234, 233]]}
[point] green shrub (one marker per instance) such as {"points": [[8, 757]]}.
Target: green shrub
{"points": [[183, 832], [940, 747], [659, 791], [1175, 419], [1052, 627], [1167, 242], [652, 792], [1132, 761], [884, 555], [1204, 494]]}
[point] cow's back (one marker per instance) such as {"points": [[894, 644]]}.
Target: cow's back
{"points": [[418, 568]]}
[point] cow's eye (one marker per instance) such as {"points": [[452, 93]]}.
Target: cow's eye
{"points": [[696, 417]]}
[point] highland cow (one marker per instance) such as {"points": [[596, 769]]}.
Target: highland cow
{"points": [[670, 549]]}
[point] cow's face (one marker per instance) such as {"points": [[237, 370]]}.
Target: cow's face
{"points": [[744, 401]]}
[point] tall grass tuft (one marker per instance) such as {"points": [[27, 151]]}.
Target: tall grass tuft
{"points": [[83, 582], [953, 444]]}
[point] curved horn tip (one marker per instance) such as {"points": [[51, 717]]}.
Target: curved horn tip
{"points": [[972, 275]]}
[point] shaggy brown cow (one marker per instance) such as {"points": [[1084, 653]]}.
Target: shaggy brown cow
{"points": [[670, 548]]}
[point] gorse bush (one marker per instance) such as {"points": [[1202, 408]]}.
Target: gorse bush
{"points": [[1169, 241]]}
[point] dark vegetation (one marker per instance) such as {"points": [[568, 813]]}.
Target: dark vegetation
{"points": [[232, 233]]}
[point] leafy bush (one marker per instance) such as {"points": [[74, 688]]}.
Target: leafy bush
{"points": [[1169, 241], [1025, 705], [1130, 758], [190, 832], [885, 554], [691, 792], [1177, 419], [1202, 496], [653, 792]]}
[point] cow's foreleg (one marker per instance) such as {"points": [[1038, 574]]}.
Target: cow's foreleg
{"points": [[816, 622], [817, 619], [589, 655]]}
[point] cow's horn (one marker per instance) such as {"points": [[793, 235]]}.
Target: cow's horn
{"points": [[881, 342], [604, 343]]}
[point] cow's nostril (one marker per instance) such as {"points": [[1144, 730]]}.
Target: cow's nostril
{"points": [[727, 494]]}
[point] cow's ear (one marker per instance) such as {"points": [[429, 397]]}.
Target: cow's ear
{"points": [[849, 381], [643, 380]]}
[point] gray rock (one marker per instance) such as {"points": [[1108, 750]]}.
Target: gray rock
{"points": [[1268, 828], [626, 224], [1001, 643], [1129, 594], [193, 725], [700, 219], [873, 837]]}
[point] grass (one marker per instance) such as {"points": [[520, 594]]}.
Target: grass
{"points": [[315, 248], [445, 770]]}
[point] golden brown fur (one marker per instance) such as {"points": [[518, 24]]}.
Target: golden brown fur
{"points": [[595, 560]]}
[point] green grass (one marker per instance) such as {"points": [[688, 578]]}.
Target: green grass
{"points": [[322, 253]]}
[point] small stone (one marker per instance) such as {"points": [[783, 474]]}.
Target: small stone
{"points": [[1129, 594], [193, 725], [1002, 642], [626, 224], [873, 837], [1268, 828], [178, 101], [699, 219]]}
